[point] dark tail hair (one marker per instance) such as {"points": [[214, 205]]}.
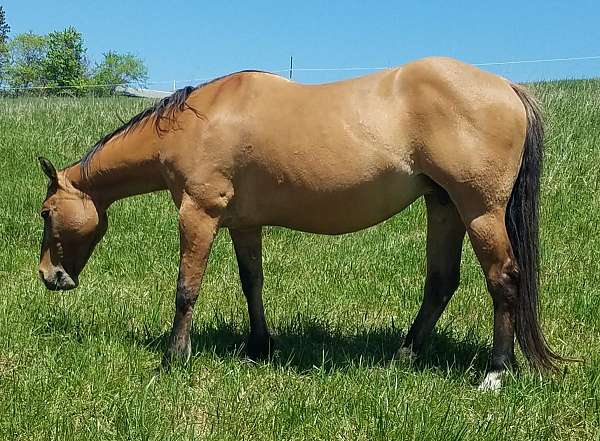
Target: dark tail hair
{"points": [[522, 222]]}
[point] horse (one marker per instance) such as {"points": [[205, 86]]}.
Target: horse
{"points": [[254, 149]]}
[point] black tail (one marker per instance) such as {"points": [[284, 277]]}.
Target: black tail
{"points": [[522, 222]]}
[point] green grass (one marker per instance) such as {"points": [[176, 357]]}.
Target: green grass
{"points": [[81, 364]]}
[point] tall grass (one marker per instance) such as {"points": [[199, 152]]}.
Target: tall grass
{"points": [[81, 364]]}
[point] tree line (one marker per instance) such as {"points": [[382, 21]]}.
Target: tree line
{"points": [[56, 64]]}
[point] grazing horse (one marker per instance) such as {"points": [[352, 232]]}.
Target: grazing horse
{"points": [[252, 149]]}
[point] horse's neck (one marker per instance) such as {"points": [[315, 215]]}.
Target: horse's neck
{"points": [[125, 166]]}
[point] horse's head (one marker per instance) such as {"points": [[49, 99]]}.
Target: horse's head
{"points": [[73, 225]]}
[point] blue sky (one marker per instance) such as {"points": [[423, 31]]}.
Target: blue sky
{"points": [[197, 40]]}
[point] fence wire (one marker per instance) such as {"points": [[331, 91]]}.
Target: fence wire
{"points": [[287, 70]]}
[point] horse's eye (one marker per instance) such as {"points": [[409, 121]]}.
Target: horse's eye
{"points": [[45, 214]]}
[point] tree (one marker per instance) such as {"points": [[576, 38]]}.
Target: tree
{"points": [[4, 30], [4, 27], [118, 69], [64, 66], [26, 53], [57, 62]]}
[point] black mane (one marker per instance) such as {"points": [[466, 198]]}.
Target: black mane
{"points": [[164, 109]]}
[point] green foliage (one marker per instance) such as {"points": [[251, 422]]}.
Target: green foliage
{"points": [[57, 63], [80, 365], [4, 30], [118, 69], [64, 66], [26, 56]]}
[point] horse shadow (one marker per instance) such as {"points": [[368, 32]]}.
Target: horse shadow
{"points": [[303, 344], [309, 344]]}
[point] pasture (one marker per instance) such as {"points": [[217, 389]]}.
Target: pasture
{"points": [[82, 364]]}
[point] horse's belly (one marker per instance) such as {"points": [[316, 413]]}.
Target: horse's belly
{"points": [[329, 208]]}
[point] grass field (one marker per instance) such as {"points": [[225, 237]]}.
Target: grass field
{"points": [[81, 364]]}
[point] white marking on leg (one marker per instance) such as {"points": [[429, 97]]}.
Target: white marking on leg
{"points": [[491, 382]]}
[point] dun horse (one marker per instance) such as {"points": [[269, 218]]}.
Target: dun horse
{"points": [[252, 149]]}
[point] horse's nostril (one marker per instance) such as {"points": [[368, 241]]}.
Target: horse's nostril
{"points": [[59, 275]]}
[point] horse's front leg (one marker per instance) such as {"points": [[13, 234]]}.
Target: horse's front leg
{"points": [[248, 251], [197, 230]]}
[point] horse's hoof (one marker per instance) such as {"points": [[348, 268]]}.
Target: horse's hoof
{"points": [[405, 354], [177, 355], [260, 347], [492, 382]]}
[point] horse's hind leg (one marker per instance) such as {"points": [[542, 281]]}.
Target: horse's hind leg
{"points": [[248, 251], [493, 249], [485, 225], [445, 233]]}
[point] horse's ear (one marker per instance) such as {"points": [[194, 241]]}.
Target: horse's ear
{"points": [[48, 169]]}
